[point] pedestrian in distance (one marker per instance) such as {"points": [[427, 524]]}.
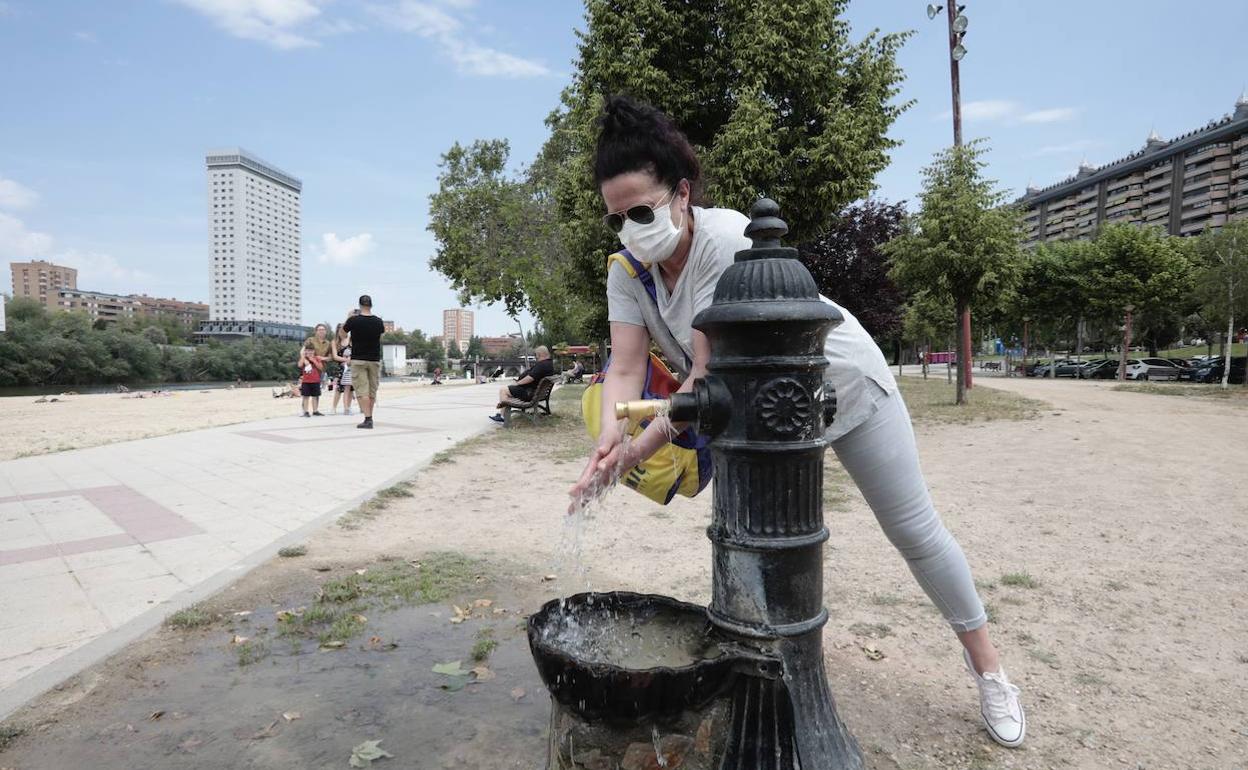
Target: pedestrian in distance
{"points": [[342, 354], [673, 254], [311, 368], [365, 330]]}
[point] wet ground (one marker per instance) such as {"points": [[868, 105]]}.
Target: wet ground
{"points": [[275, 701]]}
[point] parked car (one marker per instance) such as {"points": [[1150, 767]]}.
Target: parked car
{"points": [[1185, 367], [1081, 372], [1152, 369], [1106, 369], [1212, 371], [1065, 368]]}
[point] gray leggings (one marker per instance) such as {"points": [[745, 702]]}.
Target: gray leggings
{"points": [[883, 460]]}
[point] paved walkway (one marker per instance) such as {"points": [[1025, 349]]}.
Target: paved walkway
{"points": [[99, 545]]}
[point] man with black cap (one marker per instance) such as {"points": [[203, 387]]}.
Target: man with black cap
{"points": [[365, 330]]}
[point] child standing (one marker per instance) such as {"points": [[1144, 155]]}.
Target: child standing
{"points": [[311, 366]]}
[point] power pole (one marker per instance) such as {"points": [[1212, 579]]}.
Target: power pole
{"points": [[954, 11]]}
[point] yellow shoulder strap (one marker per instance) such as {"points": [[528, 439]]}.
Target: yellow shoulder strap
{"points": [[623, 262]]}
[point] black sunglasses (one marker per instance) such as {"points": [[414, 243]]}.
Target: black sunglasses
{"points": [[641, 214]]}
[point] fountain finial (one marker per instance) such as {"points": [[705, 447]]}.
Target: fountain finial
{"points": [[765, 230]]}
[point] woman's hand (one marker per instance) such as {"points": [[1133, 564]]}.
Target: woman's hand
{"points": [[609, 457]]}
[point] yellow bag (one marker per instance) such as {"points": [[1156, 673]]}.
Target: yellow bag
{"points": [[683, 465]]}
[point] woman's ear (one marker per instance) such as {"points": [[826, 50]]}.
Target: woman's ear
{"points": [[684, 191]]}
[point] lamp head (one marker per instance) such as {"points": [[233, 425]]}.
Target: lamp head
{"points": [[958, 52], [933, 9]]}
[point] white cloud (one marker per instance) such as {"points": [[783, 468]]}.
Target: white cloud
{"points": [[436, 20], [1008, 111], [13, 195], [96, 270], [345, 251], [1052, 115], [273, 22], [18, 242], [1070, 148], [86, 36]]}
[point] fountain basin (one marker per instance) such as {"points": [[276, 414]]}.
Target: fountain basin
{"points": [[623, 656]]}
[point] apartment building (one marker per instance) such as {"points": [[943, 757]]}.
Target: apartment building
{"points": [[457, 329], [115, 307], [255, 237], [40, 280], [1183, 185]]}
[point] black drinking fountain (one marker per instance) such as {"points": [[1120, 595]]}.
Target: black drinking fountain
{"points": [[647, 682]]}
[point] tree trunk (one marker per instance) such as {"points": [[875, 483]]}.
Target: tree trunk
{"points": [[1226, 362], [964, 352]]}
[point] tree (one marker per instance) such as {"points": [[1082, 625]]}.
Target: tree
{"points": [[1050, 292], [475, 348], [156, 335], [498, 236], [852, 271], [963, 243], [1141, 267], [776, 96], [1221, 278]]}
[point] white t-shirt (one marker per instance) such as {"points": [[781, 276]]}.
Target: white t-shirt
{"points": [[856, 367]]}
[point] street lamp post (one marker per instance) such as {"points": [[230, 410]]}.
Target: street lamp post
{"points": [[957, 30], [1026, 339], [1126, 343]]}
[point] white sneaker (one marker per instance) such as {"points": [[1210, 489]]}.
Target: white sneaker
{"points": [[346, 412], [998, 705]]}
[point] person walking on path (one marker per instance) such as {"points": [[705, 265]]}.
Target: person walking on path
{"points": [[311, 368], [365, 330], [648, 175], [342, 354], [526, 383]]}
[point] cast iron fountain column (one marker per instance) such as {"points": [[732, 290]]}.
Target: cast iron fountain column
{"points": [[765, 402]]}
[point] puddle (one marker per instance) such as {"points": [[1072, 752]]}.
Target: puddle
{"points": [[215, 713]]}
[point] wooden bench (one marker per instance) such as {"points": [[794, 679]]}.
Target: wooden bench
{"points": [[539, 404]]}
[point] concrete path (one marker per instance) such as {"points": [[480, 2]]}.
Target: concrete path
{"points": [[99, 545]]}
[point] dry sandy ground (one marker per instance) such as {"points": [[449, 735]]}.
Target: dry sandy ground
{"points": [[74, 422], [1126, 510]]}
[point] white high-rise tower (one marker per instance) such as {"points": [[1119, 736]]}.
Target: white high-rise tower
{"points": [[254, 239]]}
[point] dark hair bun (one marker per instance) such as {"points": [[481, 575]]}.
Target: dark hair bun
{"points": [[633, 136]]}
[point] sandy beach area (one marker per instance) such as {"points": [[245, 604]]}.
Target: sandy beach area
{"points": [[33, 426]]}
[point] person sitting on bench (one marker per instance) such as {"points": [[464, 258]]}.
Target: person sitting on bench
{"points": [[526, 384], [575, 373]]}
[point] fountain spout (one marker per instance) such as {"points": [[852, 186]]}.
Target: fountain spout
{"points": [[708, 406]]}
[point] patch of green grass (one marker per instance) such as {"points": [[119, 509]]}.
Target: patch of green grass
{"points": [[886, 600], [486, 644], [1234, 394], [188, 618], [985, 585], [10, 733], [1044, 656], [836, 484], [990, 610], [251, 651], [1015, 601], [932, 401], [1025, 638], [1019, 580], [873, 630], [1085, 679], [291, 551], [402, 489], [379, 502], [392, 583]]}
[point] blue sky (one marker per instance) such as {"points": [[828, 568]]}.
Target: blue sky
{"points": [[110, 108]]}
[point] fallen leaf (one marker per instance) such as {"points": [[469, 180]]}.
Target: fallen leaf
{"points": [[336, 644], [456, 683], [483, 603], [549, 578], [364, 754], [361, 571], [452, 668], [238, 639], [702, 742], [321, 568], [291, 716], [242, 614], [155, 715], [483, 674], [266, 732], [461, 613], [359, 619], [873, 652], [517, 694], [499, 610]]}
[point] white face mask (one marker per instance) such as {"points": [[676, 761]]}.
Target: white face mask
{"points": [[656, 241]]}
